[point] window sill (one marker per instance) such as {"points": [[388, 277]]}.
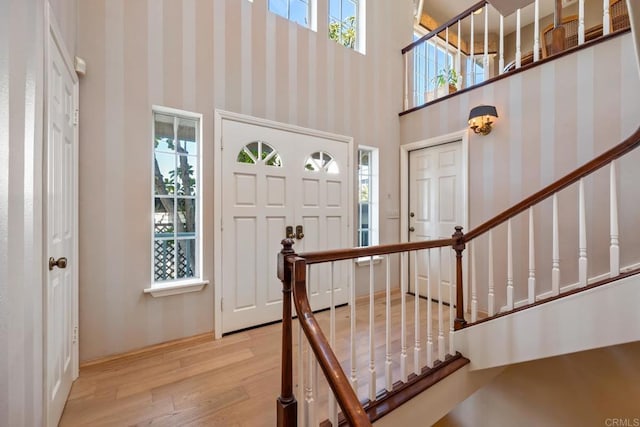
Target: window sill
{"points": [[365, 260], [175, 288]]}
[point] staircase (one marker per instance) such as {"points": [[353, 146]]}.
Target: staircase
{"points": [[441, 358]]}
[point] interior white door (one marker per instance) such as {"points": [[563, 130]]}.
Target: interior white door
{"points": [[271, 179], [61, 217], [436, 206]]}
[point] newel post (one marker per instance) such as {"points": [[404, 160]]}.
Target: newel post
{"points": [[458, 246], [286, 403]]}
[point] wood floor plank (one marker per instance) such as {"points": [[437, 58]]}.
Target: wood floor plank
{"points": [[233, 381]]}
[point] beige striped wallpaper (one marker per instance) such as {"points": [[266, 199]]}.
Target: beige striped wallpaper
{"points": [[553, 118], [200, 55]]}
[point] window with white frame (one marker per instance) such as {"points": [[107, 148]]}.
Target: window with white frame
{"points": [[177, 249], [367, 196], [433, 68], [298, 11], [346, 23]]}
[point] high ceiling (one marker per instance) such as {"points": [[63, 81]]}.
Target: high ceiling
{"points": [[443, 10]]}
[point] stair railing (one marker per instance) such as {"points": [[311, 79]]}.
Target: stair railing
{"points": [[357, 394]]}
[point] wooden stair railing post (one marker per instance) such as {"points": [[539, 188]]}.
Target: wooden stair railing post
{"points": [[458, 246], [287, 407]]}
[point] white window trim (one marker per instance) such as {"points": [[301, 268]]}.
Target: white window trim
{"points": [[313, 15], [196, 283], [164, 289], [361, 26]]}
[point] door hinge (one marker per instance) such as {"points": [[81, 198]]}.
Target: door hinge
{"points": [[76, 117], [75, 334]]}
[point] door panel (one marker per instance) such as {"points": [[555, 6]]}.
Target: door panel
{"points": [[263, 198], [60, 231], [436, 201]]}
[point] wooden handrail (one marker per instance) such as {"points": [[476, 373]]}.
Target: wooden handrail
{"points": [[442, 27], [602, 160], [343, 254], [344, 393]]}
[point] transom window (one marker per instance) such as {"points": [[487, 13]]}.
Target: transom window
{"points": [[322, 161], [176, 195], [259, 152], [367, 196], [298, 11]]}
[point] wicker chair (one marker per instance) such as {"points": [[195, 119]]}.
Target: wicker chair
{"points": [[619, 15], [570, 24]]}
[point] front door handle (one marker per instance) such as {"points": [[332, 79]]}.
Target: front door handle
{"points": [[60, 263], [299, 232], [412, 229], [289, 232]]}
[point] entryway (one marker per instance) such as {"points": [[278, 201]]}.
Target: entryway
{"points": [[277, 181], [435, 173]]}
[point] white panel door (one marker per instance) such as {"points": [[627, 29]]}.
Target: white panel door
{"points": [[266, 186], [61, 286], [436, 206]]}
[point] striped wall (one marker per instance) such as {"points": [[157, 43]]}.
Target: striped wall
{"points": [[553, 118], [21, 85], [200, 55]]}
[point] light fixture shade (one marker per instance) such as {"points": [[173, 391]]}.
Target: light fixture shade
{"points": [[483, 110]]}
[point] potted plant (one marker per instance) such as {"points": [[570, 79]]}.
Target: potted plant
{"points": [[446, 76]]}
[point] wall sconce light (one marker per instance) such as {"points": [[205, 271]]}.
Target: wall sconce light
{"points": [[480, 118]]}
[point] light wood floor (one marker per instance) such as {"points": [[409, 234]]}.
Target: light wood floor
{"points": [[233, 381]]}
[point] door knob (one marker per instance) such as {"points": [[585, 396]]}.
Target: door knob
{"points": [[412, 229], [60, 263], [289, 232], [412, 214], [299, 232]]}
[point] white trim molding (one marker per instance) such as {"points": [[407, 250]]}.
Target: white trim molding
{"points": [[175, 288]]}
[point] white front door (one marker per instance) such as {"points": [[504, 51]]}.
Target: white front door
{"points": [[436, 206], [273, 179], [61, 216]]}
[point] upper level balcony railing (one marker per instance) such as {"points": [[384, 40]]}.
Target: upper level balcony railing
{"points": [[480, 44]]}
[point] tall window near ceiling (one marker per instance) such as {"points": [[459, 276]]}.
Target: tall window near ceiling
{"points": [[298, 11], [176, 231], [367, 196], [346, 23]]}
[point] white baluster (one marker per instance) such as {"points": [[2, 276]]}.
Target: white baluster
{"points": [[452, 314], [311, 383], [580, 22], [425, 46], [387, 363], [606, 27], [372, 344], [614, 249], [459, 56], [333, 408], [509, 266], [531, 288], [406, 81], [582, 238], [471, 50], [474, 297], [436, 65], [352, 333], [403, 317], [301, 390], [485, 58], [446, 43], [555, 251], [536, 32], [441, 348], [518, 51], [416, 323], [491, 301], [429, 314], [501, 62]]}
